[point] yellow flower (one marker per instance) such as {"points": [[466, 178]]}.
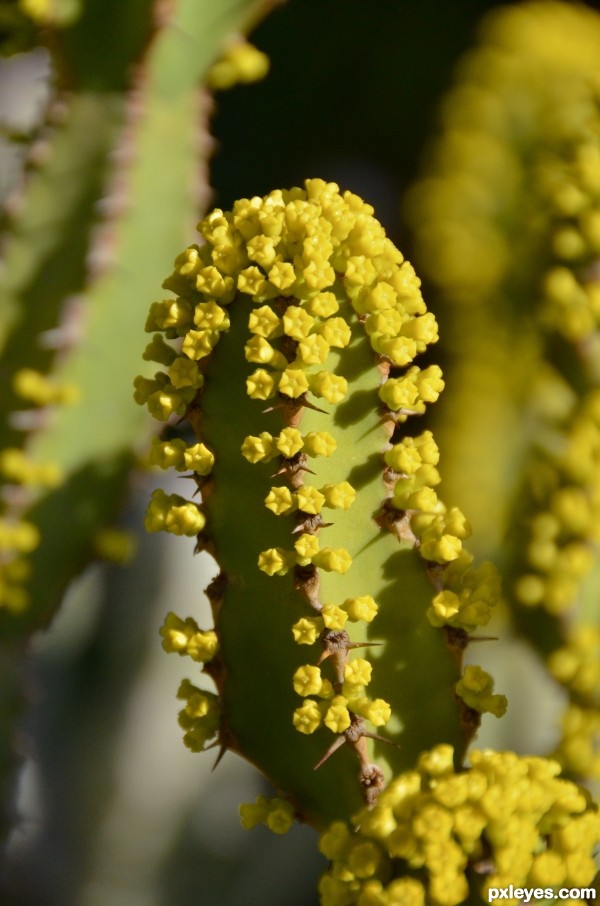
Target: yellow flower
{"points": [[306, 630], [333, 616], [297, 323], [289, 442], [307, 718], [331, 387], [307, 680], [275, 561], [264, 322], [309, 499], [254, 449], [279, 500], [319, 443], [293, 382], [361, 608], [336, 560], [476, 687], [313, 350], [358, 671], [199, 459], [306, 547]]}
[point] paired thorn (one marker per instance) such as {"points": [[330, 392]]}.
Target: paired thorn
{"points": [[310, 524], [293, 467], [336, 645], [294, 406], [370, 776]]}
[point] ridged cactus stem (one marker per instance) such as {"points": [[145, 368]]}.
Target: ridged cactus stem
{"points": [[296, 327]]}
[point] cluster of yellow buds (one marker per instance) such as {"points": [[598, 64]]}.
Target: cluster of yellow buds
{"points": [[22, 477], [576, 665], [276, 814], [437, 835], [561, 535], [184, 637], [241, 62], [201, 716]]}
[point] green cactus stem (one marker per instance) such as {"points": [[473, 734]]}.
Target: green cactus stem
{"points": [[290, 350]]}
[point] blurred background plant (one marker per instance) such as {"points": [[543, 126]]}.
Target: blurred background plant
{"points": [[107, 162]]}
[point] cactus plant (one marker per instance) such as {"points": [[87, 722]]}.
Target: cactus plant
{"points": [[289, 348]]}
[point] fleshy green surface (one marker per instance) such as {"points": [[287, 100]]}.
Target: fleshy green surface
{"points": [[412, 670]]}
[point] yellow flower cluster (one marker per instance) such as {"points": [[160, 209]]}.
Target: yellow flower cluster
{"points": [[184, 637], [470, 592], [172, 513], [563, 532], [18, 536], [577, 667], [288, 443], [240, 63], [476, 688], [275, 813], [577, 748], [18, 468], [176, 454], [278, 561], [41, 390], [307, 630], [334, 710], [24, 477], [560, 552], [201, 716], [506, 819]]}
